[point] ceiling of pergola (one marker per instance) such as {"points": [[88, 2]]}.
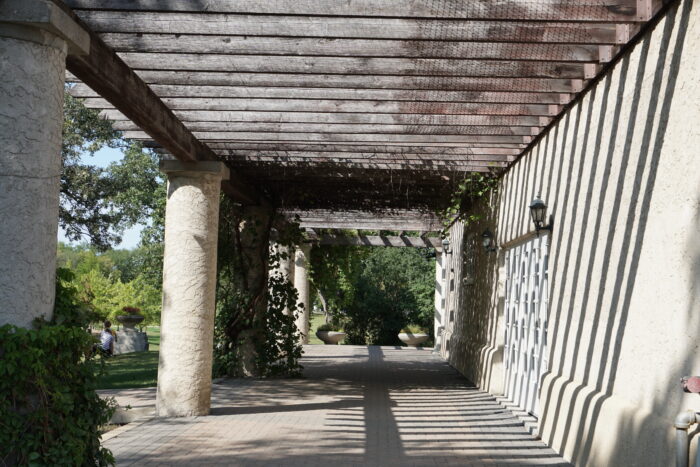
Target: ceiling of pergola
{"points": [[360, 104]]}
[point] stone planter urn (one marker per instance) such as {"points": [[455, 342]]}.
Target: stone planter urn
{"points": [[330, 337], [413, 339], [129, 321]]}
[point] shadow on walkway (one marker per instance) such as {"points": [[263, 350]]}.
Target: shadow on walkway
{"points": [[370, 406]]}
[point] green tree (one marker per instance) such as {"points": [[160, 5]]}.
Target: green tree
{"points": [[99, 204]]}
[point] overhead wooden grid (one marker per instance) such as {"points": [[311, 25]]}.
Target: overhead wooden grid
{"points": [[322, 105]]}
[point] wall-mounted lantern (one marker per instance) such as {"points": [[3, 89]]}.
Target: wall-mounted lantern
{"points": [[538, 212], [446, 246], [488, 242]]}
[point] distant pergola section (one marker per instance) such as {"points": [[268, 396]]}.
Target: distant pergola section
{"points": [[410, 241], [397, 221]]}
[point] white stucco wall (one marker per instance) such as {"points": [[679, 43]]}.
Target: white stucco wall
{"points": [[621, 174]]}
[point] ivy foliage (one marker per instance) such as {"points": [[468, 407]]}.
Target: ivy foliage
{"points": [[50, 413], [472, 188], [255, 332]]}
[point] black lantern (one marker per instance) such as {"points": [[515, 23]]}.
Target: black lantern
{"points": [[446, 246], [487, 241], [538, 212]]}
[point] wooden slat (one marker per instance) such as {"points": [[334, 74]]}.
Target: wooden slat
{"points": [[106, 73], [352, 65], [242, 92], [339, 137], [347, 118], [354, 106], [379, 241], [308, 80], [542, 10], [244, 45], [339, 128], [350, 27], [323, 167], [372, 156], [371, 149]]}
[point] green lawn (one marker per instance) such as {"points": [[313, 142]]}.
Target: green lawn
{"points": [[134, 370], [314, 322], [140, 369]]}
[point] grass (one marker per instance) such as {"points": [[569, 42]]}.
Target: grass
{"points": [[134, 370], [315, 322], [140, 369]]}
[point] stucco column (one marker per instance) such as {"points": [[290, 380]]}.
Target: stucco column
{"points": [[189, 287], [301, 283], [32, 73]]}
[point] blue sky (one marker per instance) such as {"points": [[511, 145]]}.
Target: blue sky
{"points": [[103, 158]]}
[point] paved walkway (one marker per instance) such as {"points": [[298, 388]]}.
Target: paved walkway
{"points": [[356, 406]]}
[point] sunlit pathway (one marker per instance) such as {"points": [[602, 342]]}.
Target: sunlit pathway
{"points": [[373, 406]]}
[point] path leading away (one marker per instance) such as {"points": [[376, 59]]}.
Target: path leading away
{"points": [[356, 406]]}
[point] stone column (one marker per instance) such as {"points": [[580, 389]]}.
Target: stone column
{"points": [[34, 42], [189, 287], [301, 283]]}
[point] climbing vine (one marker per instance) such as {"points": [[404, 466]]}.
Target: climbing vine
{"points": [[471, 189], [255, 332]]}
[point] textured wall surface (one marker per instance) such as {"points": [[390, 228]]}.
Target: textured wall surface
{"points": [[301, 283], [621, 175], [189, 284], [31, 117]]}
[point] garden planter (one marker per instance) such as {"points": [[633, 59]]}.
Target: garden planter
{"points": [[330, 337], [413, 339], [129, 321]]}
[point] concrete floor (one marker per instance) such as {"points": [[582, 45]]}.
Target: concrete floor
{"points": [[356, 406]]}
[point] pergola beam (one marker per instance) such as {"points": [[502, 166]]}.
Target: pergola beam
{"points": [[380, 240], [346, 118], [343, 128], [348, 27], [257, 92], [549, 10], [364, 220], [389, 81], [346, 106]]}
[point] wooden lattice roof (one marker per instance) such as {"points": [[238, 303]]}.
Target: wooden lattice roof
{"points": [[346, 104]]}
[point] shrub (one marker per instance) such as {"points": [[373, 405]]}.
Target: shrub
{"points": [[50, 413]]}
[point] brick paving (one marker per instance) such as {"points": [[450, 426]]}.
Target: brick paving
{"points": [[356, 406]]}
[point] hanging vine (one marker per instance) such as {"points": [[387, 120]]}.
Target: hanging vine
{"points": [[254, 333], [471, 189]]}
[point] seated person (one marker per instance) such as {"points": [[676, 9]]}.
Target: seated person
{"points": [[107, 339]]}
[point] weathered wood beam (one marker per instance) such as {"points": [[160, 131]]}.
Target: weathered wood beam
{"points": [[244, 45], [392, 81], [366, 156], [428, 150], [245, 92], [107, 74], [327, 169], [345, 137], [352, 65], [346, 118], [350, 27], [347, 106], [518, 10], [341, 128], [380, 240], [380, 220]]}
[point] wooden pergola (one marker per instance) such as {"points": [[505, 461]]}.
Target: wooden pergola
{"points": [[354, 105]]}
